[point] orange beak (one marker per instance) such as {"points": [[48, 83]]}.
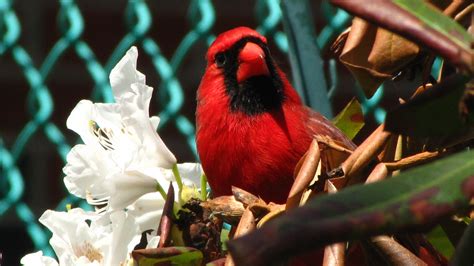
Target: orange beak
{"points": [[251, 62]]}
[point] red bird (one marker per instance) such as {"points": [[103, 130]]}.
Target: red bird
{"points": [[252, 127]]}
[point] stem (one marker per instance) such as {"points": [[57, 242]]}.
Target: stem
{"points": [[203, 187], [178, 178], [161, 190]]}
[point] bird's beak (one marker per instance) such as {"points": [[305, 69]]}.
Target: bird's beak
{"points": [[251, 62]]}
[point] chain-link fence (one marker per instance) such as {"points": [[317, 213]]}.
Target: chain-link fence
{"points": [[47, 66]]}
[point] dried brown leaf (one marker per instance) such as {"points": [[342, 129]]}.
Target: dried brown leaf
{"points": [[271, 215], [245, 197], [367, 151], [225, 207], [334, 254], [259, 210], [374, 54], [247, 223], [380, 172], [305, 176]]}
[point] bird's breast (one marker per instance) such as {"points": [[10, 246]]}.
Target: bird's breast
{"points": [[255, 153]]}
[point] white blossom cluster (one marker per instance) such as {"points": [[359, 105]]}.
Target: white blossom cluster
{"points": [[123, 168]]}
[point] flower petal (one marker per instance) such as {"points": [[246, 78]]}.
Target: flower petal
{"points": [[153, 241], [190, 173], [147, 211], [86, 116], [155, 121], [128, 187], [86, 170], [37, 259], [125, 236], [69, 230], [125, 73]]}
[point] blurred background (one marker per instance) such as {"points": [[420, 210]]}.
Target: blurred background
{"points": [[55, 53]]}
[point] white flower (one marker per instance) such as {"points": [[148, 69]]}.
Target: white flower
{"points": [[148, 208], [152, 241], [124, 165], [122, 157], [37, 259], [85, 238]]}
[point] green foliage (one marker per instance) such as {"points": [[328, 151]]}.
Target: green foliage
{"points": [[168, 256], [305, 59], [433, 113], [440, 241], [412, 200], [434, 18], [351, 119]]}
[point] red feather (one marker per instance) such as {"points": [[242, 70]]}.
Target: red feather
{"points": [[257, 153]]}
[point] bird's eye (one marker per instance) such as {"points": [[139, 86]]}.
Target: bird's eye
{"points": [[220, 59]]}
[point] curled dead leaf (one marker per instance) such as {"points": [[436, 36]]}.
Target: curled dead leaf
{"points": [[245, 197], [226, 208], [271, 215], [374, 54], [305, 175]]}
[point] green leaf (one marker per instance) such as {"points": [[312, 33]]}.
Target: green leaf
{"points": [[168, 256], [440, 241], [434, 113], [432, 17], [410, 201], [306, 62], [350, 120]]}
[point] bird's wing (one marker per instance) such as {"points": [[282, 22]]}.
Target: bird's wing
{"points": [[321, 126]]}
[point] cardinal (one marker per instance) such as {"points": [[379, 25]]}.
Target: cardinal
{"points": [[252, 127]]}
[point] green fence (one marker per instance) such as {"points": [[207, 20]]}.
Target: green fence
{"points": [[201, 17]]}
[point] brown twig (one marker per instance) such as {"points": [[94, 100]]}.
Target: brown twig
{"points": [[468, 10], [455, 7], [413, 160], [395, 253]]}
